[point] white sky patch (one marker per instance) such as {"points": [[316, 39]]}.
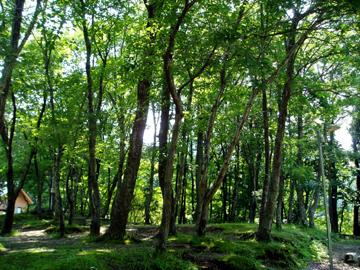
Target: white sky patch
{"points": [[342, 135], [150, 128]]}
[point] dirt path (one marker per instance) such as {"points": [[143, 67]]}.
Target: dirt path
{"points": [[339, 251], [28, 239], [38, 238]]}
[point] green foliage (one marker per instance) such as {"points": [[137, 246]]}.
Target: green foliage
{"points": [[2, 248]]}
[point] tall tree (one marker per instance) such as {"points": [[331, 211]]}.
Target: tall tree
{"points": [[125, 191]]}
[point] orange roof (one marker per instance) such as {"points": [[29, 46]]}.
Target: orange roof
{"points": [[26, 196]]}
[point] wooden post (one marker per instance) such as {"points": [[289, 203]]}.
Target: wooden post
{"points": [[322, 176]]}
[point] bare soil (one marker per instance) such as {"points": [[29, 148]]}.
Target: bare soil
{"points": [[339, 251]]}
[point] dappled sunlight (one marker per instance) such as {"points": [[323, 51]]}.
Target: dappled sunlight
{"points": [[94, 252], [36, 250]]}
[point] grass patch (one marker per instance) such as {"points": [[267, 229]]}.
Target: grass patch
{"points": [[228, 246], [29, 222], [99, 259]]}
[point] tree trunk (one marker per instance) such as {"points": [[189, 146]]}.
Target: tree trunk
{"points": [[13, 50], [93, 186], [333, 187], [169, 90], [116, 179], [224, 200], [356, 141], [199, 159], [237, 181], [39, 187], [302, 221], [125, 191], [202, 218], [265, 224], [315, 202], [265, 114], [279, 207], [59, 214], [182, 212], [11, 194]]}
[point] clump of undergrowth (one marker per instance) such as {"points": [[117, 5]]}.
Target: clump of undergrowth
{"points": [[291, 248], [2, 248], [235, 262]]}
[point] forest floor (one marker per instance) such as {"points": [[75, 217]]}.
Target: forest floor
{"points": [[36, 245], [339, 251]]}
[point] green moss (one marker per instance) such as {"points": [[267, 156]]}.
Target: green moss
{"points": [[234, 262]]}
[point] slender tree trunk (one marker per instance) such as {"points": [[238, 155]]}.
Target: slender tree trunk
{"points": [[265, 113], [182, 212], [315, 200], [93, 186], [14, 48], [199, 159], [11, 193], [290, 218], [70, 194], [119, 174], [203, 215], [59, 214], [279, 206], [125, 191], [169, 90], [179, 188], [356, 224], [193, 195], [264, 229], [237, 180], [302, 221], [333, 193], [124, 195], [343, 207], [224, 200], [39, 187]]}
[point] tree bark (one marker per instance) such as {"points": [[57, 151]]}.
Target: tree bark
{"points": [[59, 214], [302, 221], [356, 141], [315, 200], [125, 191], [264, 229], [279, 206], [168, 152], [120, 171], [93, 186], [333, 186], [13, 50], [290, 215]]}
